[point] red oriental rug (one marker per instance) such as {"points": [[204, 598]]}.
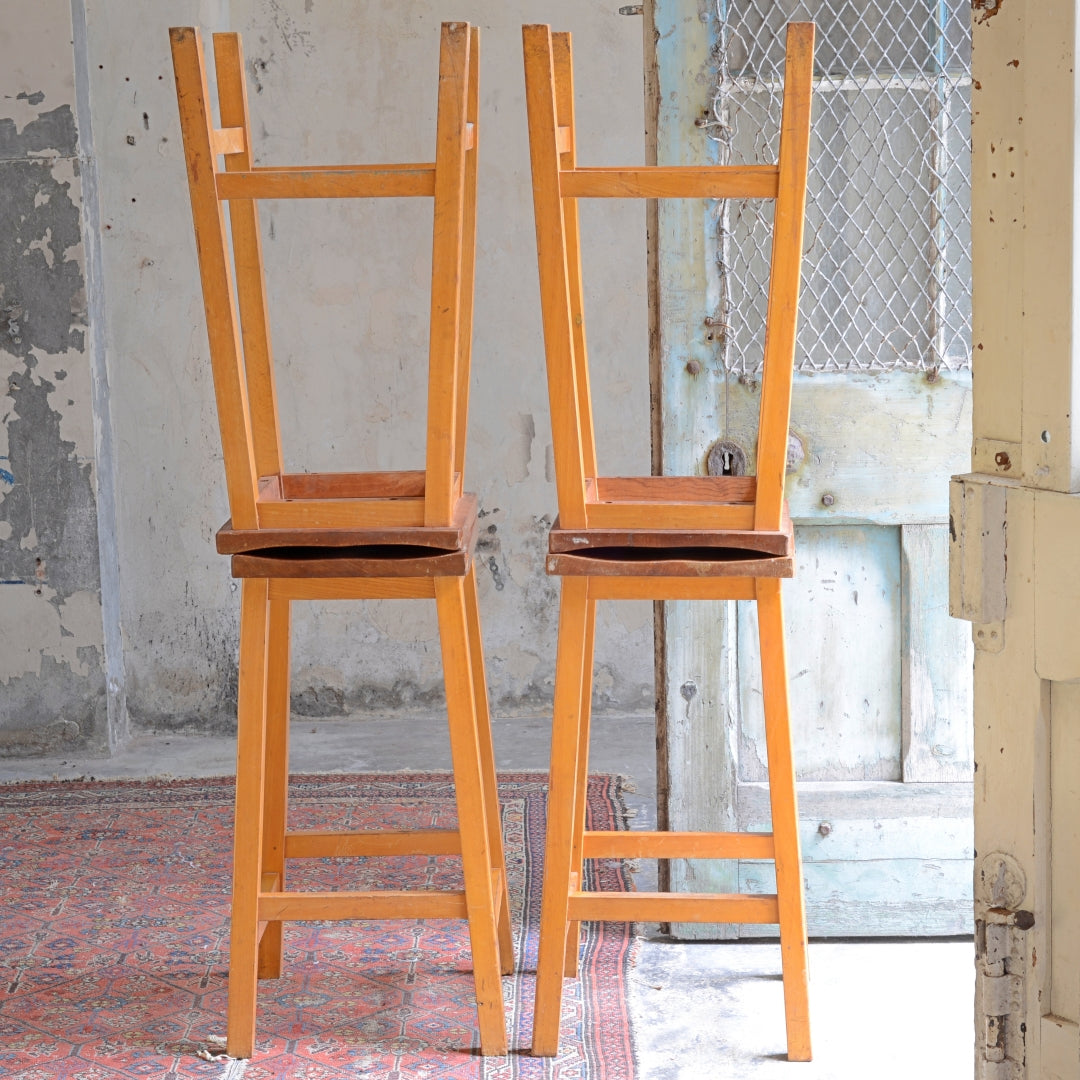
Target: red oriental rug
{"points": [[114, 901]]}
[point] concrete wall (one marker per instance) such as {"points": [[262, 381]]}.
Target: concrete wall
{"points": [[329, 81], [52, 665]]}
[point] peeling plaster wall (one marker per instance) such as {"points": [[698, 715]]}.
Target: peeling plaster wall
{"points": [[330, 80], [52, 681]]}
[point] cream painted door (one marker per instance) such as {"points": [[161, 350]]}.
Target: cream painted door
{"points": [[880, 675]]}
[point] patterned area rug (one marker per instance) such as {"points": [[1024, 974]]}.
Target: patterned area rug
{"points": [[114, 900]]}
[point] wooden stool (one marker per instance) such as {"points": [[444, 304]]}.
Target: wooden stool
{"points": [[321, 536], [661, 538]]}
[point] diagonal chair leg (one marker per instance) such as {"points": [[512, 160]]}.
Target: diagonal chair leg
{"points": [[476, 856], [785, 819], [276, 792], [565, 741], [487, 768], [581, 792], [248, 830]]}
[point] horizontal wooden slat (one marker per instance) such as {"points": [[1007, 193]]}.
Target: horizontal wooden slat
{"points": [[698, 564], [323, 843], [227, 140], [672, 182], [672, 489], [677, 845], [673, 907], [652, 515], [344, 182], [385, 904], [352, 588], [664, 588], [340, 513], [461, 534], [781, 542], [353, 485]]}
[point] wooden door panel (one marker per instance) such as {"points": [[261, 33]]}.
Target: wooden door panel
{"points": [[842, 613]]}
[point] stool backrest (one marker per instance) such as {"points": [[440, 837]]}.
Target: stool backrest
{"points": [[587, 500], [219, 165]]}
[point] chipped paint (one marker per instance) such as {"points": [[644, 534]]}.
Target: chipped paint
{"points": [[51, 633]]}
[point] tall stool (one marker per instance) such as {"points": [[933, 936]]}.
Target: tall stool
{"points": [[662, 538], [323, 536]]}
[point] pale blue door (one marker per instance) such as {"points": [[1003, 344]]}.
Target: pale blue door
{"points": [[880, 675]]}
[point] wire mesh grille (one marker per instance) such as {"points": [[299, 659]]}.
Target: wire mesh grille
{"points": [[887, 267]]}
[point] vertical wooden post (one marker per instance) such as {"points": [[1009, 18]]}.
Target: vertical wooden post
{"points": [[446, 275], [566, 432], [476, 856], [215, 269], [248, 824], [784, 277], [247, 251]]}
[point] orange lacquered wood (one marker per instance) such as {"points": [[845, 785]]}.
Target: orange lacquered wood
{"points": [[228, 140], [468, 255], [352, 588], [784, 277], [326, 843], [446, 282], [563, 70], [670, 588], [276, 789], [785, 818], [249, 820], [247, 256], [471, 787], [340, 513], [705, 489], [639, 844], [674, 907], [659, 538], [344, 182], [215, 271], [353, 485], [573, 637], [671, 182], [554, 280], [672, 515], [384, 904], [349, 536]]}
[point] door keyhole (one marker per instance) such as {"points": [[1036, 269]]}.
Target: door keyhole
{"points": [[726, 458]]}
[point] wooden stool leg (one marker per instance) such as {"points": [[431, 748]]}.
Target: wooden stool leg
{"points": [[472, 815], [562, 792], [276, 793], [581, 790], [785, 819], [487, 770], [248, 827]]}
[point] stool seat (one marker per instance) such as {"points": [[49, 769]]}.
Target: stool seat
{"points": [[453, 536], [772, 542], [689, 562]]}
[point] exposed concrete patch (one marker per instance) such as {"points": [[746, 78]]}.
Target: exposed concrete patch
{"points": [[53, 684], [42, 297], [50, 502], [51, 133]]}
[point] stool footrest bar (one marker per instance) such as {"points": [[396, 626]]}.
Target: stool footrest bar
{"points": [[674, 907], [677, 845], [320, 843], [384, 904]]}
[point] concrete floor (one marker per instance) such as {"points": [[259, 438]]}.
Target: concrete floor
{"points": [[701, 1011]]}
